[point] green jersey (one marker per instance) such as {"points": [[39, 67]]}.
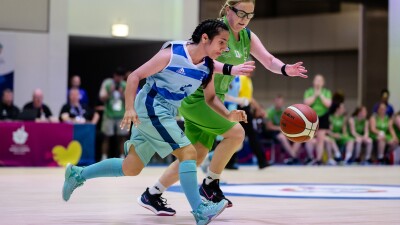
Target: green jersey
{"points": [[202, 124], [274, 115], [317, 105], [238, 53], [115, 104], [359, 125], [337, 123]]}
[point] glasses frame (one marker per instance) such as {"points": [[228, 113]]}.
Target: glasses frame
{"points": [[245, 14]]}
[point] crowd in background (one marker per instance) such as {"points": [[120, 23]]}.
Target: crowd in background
{"points": [[343, 137]]}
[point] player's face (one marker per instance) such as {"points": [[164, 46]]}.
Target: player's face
{"points": [[318, 82], [238, 15], [382, 109], [341, 109], [363, 113], [279, 102], [218, 44]]}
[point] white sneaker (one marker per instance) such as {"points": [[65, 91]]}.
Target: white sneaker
{"points": [[332, 162]]}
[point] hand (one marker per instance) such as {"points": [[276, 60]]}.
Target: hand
{"points": [[237, 116], [244, 69], [129, 116], [317, 92], [296, 70]]}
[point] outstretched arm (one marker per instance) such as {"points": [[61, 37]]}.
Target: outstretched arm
{"points": [[154, 65], [244, 69], [216, 104], [273, 64]]}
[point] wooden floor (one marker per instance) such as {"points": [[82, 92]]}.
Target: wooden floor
{"points": [[33, 196]]}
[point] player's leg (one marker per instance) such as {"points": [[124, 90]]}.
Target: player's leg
{"points": [[75, 176], [203, 212]]}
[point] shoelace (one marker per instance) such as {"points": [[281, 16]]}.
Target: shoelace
{"points": [[162, 201]]}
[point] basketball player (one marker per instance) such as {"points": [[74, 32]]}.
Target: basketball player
{"points": [[202, 124], [173, 73], [359, 130]]}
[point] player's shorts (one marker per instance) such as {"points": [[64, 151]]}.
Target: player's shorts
{"points": [[158, 131], [202, 124]]}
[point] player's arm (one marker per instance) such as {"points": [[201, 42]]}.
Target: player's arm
{"points": [[366, 129], [238, 100], [392, 132], [154, 65], [325, 100], [216, 104], [353, 128], [273, 64], [372, 124], [244, 69]]}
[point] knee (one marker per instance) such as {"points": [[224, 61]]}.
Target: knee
{"points": [[237, 133], [130, 170], [190, 154], [200, 157]]}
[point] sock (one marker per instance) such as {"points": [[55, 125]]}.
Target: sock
{"points": [[106, 168], [188, 178], [157, 188], [211, 176]]}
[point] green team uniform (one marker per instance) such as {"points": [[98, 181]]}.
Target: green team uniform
{"points": [[382, 124], [337, 123], [202, 124], [114, 107], [397, 131], [359, 126], [317, 105], [274, 115]]}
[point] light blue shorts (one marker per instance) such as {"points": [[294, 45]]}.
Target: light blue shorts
{"points": [[158, 131]]}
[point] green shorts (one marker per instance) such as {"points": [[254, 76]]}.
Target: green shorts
{"points": [[202, 124]]}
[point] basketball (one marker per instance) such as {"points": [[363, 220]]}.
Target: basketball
{"points": [[299, 123]]}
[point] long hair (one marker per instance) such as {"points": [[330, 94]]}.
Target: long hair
{"points": [[232, 3], [211, 27]]}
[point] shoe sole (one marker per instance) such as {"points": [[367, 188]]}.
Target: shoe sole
{"points": [[67, 174], [216, 215], [205, 199], [151, 208]]}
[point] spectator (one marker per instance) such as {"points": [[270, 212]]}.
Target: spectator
{"points": [[43, 111], [396, 128], [76, 83], [319, 99], [359, 130], [384, 99], [338, 132], [112, 94], [75, 112], [382, 132], [8, 111], [274, 114]]}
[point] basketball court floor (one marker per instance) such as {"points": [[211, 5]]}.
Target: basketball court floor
{"points": [[276, 195]]}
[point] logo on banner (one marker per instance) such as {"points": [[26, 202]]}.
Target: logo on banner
{"points": [[72, 154], [312, 191], [20, 137]]}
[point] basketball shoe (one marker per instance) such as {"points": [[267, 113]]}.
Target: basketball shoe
{"points": [[155, 203], [208, 211], [212, 192], [72, 181]]}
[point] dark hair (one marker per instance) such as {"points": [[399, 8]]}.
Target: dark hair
{"points": [[357, 110], [120, 71], [211, 27], [383, 91]]}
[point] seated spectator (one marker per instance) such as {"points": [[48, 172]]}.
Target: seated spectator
{"points": [[75, 112], [43, 111], [76, 83], [273, 131], [359, 130], [384, 99], [8, 111], [338, 132], [396, 129], [382, 132]]}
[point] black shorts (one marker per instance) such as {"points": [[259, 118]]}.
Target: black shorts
{"points": [[324, 121]]}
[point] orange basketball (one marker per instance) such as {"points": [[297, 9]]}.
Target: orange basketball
{"points": [[299, 123]]}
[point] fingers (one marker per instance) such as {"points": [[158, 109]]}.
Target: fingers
{"points": [[298, 64], [303, 75], [249, 63], [244, 116]]}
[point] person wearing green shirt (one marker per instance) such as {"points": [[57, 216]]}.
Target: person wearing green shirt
{"points": [[319, 99], [382, 132], [396, 128], [338, 131], [202, 124], [359, 130], [274, 114]]}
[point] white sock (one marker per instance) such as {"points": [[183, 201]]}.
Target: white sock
{"points": [[103, 157], [211, 176], [157, 188]]}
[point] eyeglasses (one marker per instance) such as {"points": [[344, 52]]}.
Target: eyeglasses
{"points": [[241, 13]]}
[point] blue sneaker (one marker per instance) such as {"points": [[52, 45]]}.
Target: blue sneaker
{"points": [[208, 211], [72, 180]]}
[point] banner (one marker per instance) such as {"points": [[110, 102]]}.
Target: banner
{"points": [[6, 61], [46, 144]]}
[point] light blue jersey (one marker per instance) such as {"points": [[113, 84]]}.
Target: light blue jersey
{"points": [[157, 104]]}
